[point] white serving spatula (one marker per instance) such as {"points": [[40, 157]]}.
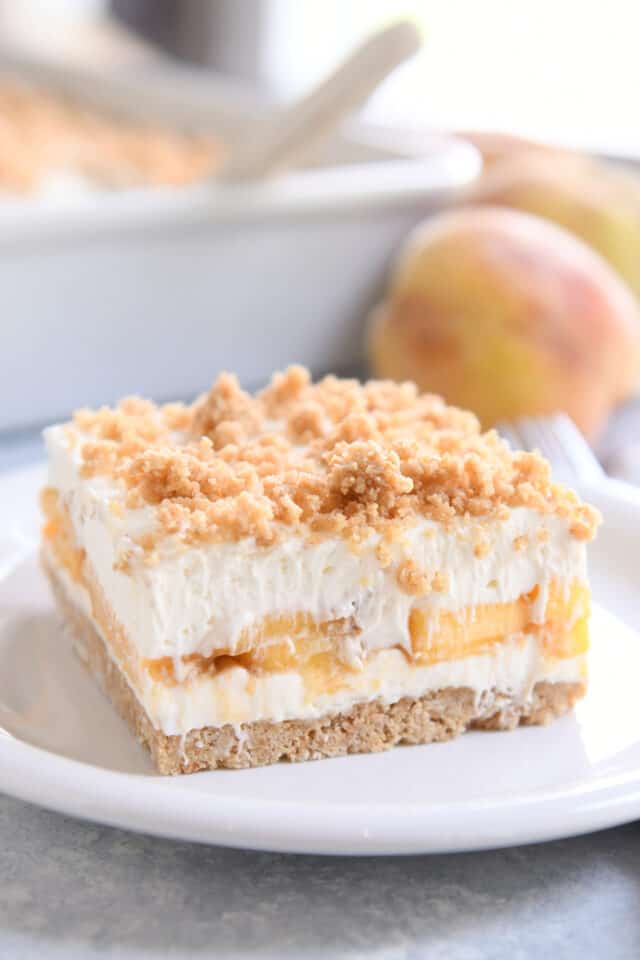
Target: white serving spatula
{"points": [[298, 130]]}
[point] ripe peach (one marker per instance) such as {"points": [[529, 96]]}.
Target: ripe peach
{"points": [[496, 147], [508, 315], [594, 200]]}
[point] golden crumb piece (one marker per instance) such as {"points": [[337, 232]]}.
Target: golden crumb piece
{"points": [[365, 472], [584, 522], [440, 582], [384, 554], [481, 546], [307, 422], [226, 414], [412, 579], [177, 416], [284, 389]]}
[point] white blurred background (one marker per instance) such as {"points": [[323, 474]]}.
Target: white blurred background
{"points": [[567, 71]]}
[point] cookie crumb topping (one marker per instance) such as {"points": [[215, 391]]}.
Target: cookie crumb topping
{"points": [[45, 132], [332, 458]]}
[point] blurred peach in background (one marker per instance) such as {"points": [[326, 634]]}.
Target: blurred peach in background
{"points": [[508, 315]]}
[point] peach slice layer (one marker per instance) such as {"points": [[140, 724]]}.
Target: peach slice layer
{"points": [[297, 642]]}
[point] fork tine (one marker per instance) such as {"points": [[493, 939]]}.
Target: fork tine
{"points": [[509, 433], [559, 440], [576, 449]]}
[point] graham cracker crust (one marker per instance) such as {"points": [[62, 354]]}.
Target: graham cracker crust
{"points": [[367, 728]]}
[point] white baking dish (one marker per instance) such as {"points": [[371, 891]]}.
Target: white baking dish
{"points": [[154, 291]]}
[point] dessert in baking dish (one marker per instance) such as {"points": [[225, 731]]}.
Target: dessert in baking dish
{"points": [[52, 146], [316, 570]]}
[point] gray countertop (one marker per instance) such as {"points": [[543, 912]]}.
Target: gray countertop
{"points": [[74, 890]]}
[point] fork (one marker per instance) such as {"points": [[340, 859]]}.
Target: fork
{"points": [[559, 440]]}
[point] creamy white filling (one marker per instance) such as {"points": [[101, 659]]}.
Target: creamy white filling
{"points": [[202, 598], [235, 696]]}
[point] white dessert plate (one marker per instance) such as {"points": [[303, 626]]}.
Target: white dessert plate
{"points": [[62, 746]]}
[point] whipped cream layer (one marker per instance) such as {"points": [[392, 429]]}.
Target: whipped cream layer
{"points": [[236, 696], [201, 598]]}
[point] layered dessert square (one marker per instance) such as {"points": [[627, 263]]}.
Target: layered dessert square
{"points": [[316, 570]]}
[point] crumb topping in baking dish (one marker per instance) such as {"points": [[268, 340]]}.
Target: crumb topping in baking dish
{"points": [[43, 133], [332, 458]]}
